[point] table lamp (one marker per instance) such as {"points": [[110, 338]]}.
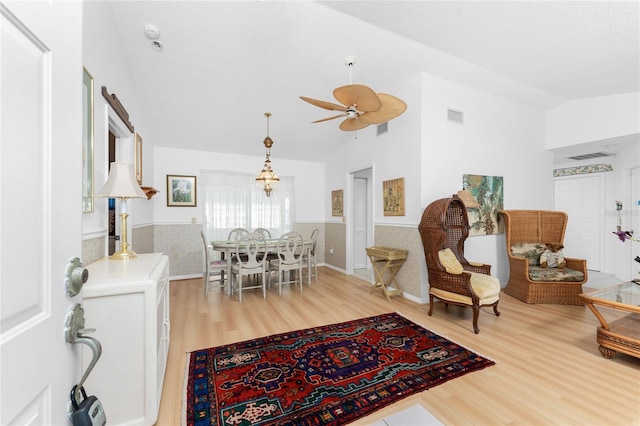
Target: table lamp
{"points": [[122, 184]]}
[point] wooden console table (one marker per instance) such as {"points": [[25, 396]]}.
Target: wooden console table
{"points": [[623, 334], [386, 263]]}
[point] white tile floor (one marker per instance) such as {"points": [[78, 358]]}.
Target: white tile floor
{"points": [[598, 280], [416, 415], [364, 274]]}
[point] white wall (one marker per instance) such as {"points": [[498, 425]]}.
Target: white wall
{"points": [[603, 118], [499, 137], [593, 119], [104, 58], [309, 180]]}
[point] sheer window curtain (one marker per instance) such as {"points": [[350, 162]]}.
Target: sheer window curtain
{"points": [[234, 200]]}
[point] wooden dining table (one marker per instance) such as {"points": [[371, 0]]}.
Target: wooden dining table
{"points": [[228, 248]]}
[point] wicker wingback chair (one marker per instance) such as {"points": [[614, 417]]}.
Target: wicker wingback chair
{"points": [[529, 282], [445, 225]]}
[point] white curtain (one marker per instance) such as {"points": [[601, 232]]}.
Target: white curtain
{"points": [[234, 200]]}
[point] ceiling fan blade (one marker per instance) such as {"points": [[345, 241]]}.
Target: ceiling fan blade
{"points": [[391, 108], [351, 124], [323, 104], [363, 97], [328, 118]]}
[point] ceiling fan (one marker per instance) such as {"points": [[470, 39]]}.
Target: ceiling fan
{"points": [[360, 105]]}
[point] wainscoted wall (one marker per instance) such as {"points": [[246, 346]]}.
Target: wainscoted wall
{"points": [[406, 238], [305, 229], [183, 244], [335, 237], [93, 249], [143, 239]]}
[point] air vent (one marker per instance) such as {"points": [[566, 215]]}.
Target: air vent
{"points": [[592, 155], [455, 116], [382, 128]]}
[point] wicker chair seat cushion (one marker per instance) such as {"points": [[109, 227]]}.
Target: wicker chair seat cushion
{"points": [[451, 264], [530, 251], [537, 273], [485, 286]]}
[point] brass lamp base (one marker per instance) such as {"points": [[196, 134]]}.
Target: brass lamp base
{"points": [[123, 255]]}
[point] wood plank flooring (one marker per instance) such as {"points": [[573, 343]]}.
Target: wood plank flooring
{"points": [[548, 368]]}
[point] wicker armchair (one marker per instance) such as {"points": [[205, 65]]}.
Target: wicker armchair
{"points": [[445, 225], [525, 283]]}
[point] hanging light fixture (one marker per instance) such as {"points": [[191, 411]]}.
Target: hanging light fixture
{"points": [[267, 176]]}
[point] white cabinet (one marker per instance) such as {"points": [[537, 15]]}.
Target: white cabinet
{"points": [[127, 302]]}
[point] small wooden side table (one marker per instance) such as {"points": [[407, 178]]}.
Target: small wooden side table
{"points": [[386, 263]]}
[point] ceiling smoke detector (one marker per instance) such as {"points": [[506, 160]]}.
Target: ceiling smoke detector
{"points": [[157, 45]]}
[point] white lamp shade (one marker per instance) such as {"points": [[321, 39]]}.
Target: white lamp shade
{"points": [[121, 183]]}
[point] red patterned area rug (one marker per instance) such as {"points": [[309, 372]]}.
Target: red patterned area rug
{"points": [[326, 375]]}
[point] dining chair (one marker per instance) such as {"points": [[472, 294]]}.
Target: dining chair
{"points": [[309, 260], [264, 232], [251, 260], [267, 236], [290, 250], [237, 234], [213, 269]]}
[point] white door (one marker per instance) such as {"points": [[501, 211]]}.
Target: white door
{"points": [[360, 223], [40, 206], [581, 197]]}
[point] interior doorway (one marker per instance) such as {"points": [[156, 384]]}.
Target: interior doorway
{"points": [[111, 211], [582, 198], [362, 230]]}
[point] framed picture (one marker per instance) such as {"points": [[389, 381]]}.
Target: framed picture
{"points": [[337, 203], [87, 142], [484, 199], [181, 191], [393, 196], [138, 159]]}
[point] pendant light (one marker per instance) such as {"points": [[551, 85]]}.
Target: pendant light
{"points": [[267, 176]]}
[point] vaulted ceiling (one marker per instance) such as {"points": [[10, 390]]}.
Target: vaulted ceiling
{"points": [[226, 63]]}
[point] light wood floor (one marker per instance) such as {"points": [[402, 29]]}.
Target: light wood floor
{"points": [[548, 369]]}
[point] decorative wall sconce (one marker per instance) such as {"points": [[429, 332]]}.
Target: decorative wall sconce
{"points": [[267, 176]]}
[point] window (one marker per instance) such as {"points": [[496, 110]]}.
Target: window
{"points": [[234, 200]]}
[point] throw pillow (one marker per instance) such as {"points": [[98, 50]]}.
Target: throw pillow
{"points": [[530, 251], [450, 262]]}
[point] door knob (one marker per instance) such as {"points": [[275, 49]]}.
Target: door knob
{"points": [[75, 277]]}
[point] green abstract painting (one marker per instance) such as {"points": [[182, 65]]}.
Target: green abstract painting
{"points": [[488, 192]]}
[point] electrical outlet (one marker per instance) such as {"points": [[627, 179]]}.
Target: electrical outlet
{"points": [[193, 220], [331, 250]]}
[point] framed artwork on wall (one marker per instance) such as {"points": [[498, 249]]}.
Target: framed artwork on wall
{"points": [[138, 159], [87, 141], [337, 202], [181, 191], [483, 197], [393, 197]]}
